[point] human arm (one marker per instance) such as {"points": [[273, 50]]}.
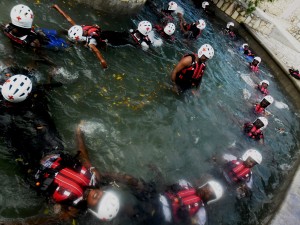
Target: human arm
{"points": [[83, 153], [183, 63]]}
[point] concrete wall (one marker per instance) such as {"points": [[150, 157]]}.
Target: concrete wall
{"points": [[263, 18], [116, 6]]}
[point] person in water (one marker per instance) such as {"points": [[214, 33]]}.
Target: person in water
{"points": [[263, 87], [254, 65], [192, 30], [237, 172], [166, 32], [180, 203], [21, 32], [246, 49], [189, 71], [229, 30], [71, 184], [260, 108], [93, 35], [165, 15], [254, 130]]}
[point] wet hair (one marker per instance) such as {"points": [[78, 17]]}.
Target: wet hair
{"points": [[258, 123]]}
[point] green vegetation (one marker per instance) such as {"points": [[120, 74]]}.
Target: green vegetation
{"points": [[252, 4]]}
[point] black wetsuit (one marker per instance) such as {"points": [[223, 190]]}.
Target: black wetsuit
{"points": [[28, 126]]}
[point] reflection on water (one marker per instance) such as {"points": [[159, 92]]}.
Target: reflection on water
{"points": [[134, 120]]}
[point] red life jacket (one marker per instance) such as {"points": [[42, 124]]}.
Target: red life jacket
{"points": [[24, 40], [191, 76], [263, 90], [254, 68], [252, 132], [140, 40], [186, 200], [92, 31], [236, 171], [70, 184], [259, 109]]}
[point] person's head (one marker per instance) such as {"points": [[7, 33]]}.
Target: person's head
{"points": [[21, 16], [104, 205], [264, 83], [144, 27], [75, 33], [205, 52], [261, 123], [172, 6], [256, 61], [200, 24], [169, 29], [266, 101], [230, 25], [17, 88], [204, 4], [251, 157], [210, 192], [245, 46]]}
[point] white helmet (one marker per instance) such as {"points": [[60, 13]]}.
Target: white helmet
{"points": [[169, 29], [264, 121], [172, 6], [201, 24], [245, 44], [269, 99], [206, 50], [21, 16], [108, 206], [204, 4], [229, 25], [218, 190], [264, 81], [145, 27], [254, 154], [257, 59], [17, 88], [75, 33]]}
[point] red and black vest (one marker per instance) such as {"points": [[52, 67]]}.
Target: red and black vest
{"points": [[186, 200], [235, 171], [263, 90], [67, 183], [24, 40], [139, 38], [259, 109], [252, 132], [92, 31], [190, 76]]}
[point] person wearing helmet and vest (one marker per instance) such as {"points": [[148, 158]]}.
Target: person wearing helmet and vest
{"points": [[263, 87], [164, 15], [20, 31], [193, 30], [167, 32], [254, 130], [179, 203], [260, 108], [189, 71], [238, 172], [246, 49], [255, 64], [229, 30], [138, 37]]}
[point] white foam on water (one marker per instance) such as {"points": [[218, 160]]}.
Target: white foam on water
{"points": [[281, 105], [246, 94], [248, 80], [66, 74]]}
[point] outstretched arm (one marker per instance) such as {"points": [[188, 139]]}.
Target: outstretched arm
{"points": [[84, 156]]}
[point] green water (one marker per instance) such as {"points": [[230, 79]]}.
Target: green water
{"points": [[133, 119]]}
